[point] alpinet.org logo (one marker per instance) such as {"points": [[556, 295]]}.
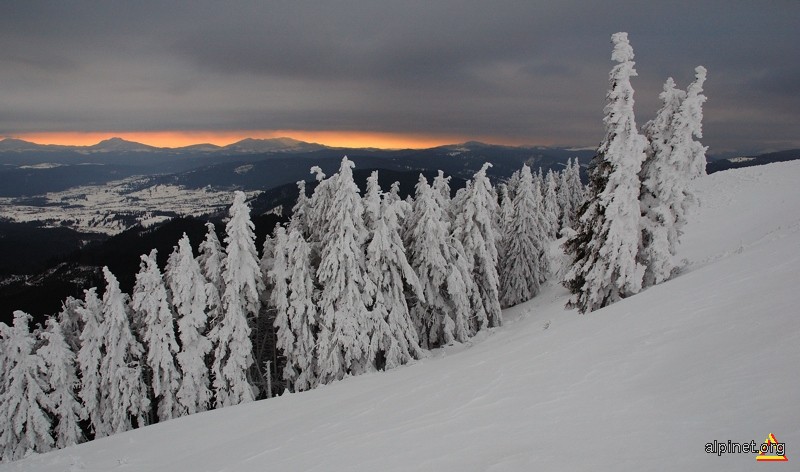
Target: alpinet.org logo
{"points": [[769, 451]]}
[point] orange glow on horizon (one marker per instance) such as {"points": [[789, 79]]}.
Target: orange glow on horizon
{"points": [[172, 139]]}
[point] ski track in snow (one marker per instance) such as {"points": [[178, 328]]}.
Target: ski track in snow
{"points": [[641, 385]]}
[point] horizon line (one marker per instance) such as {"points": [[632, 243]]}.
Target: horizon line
{"points": [[335, 139]]}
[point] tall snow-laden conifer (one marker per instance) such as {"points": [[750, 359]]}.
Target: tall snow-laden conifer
{"points": [[689, 124], [525, 259], [343, 342], [430, 255], [150, 305], [277, 277], [395, 339], [23, 399], [300, 211], [210, 259], [189, 297], [302, 310], [673, 158], [575, 193], [89, 358], [71, 323], [233, 350], [552, 209], [662, 189], [121, 378], [604, 268], [320, 208], [62, 382], [474, 228]]}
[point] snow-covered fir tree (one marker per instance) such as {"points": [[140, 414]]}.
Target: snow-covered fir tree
{"points": [[320, 209], [71, 323], [293, 297], [441, 191], [662, 189], [122, 382], [571, 193], [210, 259], [343, 341], [149, 303], [233, 349], [62, 382], [262, 332], [689, 124], [395, 339], [277, 278], [604, 267], [430, 252], [552, 210], [302, 310], [673, 158], [504, 223], [189, 298], [88, 358], [300, 211], [475, 229], [525, 259], [24, 403]]}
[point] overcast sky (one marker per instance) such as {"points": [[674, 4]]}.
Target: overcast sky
{"points": [[504, 71]]}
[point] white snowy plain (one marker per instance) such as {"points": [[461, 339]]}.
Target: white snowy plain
{"points": [[641, 385]]}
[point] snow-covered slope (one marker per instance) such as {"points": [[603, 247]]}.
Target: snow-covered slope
{"points": [[641, 385]]}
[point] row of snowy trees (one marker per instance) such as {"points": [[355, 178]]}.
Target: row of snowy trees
{"points": [[353, 284], [629, 228]]}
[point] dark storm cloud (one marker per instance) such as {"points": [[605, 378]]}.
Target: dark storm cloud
{"points": [[521, 71]]}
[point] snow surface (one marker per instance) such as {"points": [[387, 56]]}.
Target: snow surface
{"points": [[641, 385]]}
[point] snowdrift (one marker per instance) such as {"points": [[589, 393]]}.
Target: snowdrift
{"points": [[641, 385]]}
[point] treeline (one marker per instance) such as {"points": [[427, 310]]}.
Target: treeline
{"points": [[352, 284]]}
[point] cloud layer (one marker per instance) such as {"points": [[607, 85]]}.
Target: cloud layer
{"points": [[516, 71]]}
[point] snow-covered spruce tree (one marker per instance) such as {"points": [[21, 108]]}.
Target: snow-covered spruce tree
{"points": [[262, 331], [292, 296], [563, 199], [512, 183], [320, 209], [91, 352], [189, 299], [122, 382], [372, 205], [343, 340], [673, 158], [474, 227], [302, 310], [662, 189], [525, 259], [394, 340], [504, 223], [689, 124], [300, 211], [552, 210], [437, 317], [441, 191], [233, 349], [71, 323], [575, 193], [62, 381], [24, 403], [604, 268], [210, 260], [277, 278], [149, 303]]}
